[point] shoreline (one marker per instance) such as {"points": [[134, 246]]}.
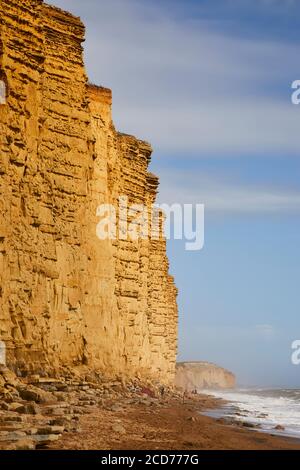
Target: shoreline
{"points": [[257, 410], [167, 425], [73, 413]]}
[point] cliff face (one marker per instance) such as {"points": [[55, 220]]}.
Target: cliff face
{"points": [[67, 297], [192, 376]]}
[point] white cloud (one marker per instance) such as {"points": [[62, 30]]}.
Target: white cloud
{"points": [[224, 127], [187, 87], [221, 195]]}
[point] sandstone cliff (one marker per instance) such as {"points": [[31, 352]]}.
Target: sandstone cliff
{"points": [[192, 376], [66, 297]]}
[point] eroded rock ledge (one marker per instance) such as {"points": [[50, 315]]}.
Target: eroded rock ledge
{"points": [[67, 298]]}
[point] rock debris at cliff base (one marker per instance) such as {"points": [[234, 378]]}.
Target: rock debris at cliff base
{"points": [[38, 411], [84, 411]]}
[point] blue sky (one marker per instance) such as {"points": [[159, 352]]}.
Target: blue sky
{"points": [[208, 83]]}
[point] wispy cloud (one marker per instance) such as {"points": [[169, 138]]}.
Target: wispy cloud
{"points": [[187, 87], [225, 127], [225, 195]]}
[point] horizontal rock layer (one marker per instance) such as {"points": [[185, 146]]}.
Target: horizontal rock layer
{"points": [[191, 376], [66, 297]]}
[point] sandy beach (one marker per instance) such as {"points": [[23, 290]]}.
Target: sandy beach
{"points": [[167, 425], [149, 227]]}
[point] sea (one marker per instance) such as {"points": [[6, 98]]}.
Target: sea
{"points": [[266, 409]]}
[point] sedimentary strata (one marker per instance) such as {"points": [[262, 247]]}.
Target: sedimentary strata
{"points": [[68, 298], [192, 376]]}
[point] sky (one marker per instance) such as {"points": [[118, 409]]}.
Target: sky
{"points": [[208, 83]]}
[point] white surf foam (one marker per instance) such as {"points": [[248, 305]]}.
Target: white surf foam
{"points": [[267, 408]]}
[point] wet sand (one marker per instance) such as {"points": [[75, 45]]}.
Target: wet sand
{"points": [[168, 424]]}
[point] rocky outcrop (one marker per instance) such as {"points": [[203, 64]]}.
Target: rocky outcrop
{"points": [[66, 297], [191, 376]]}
